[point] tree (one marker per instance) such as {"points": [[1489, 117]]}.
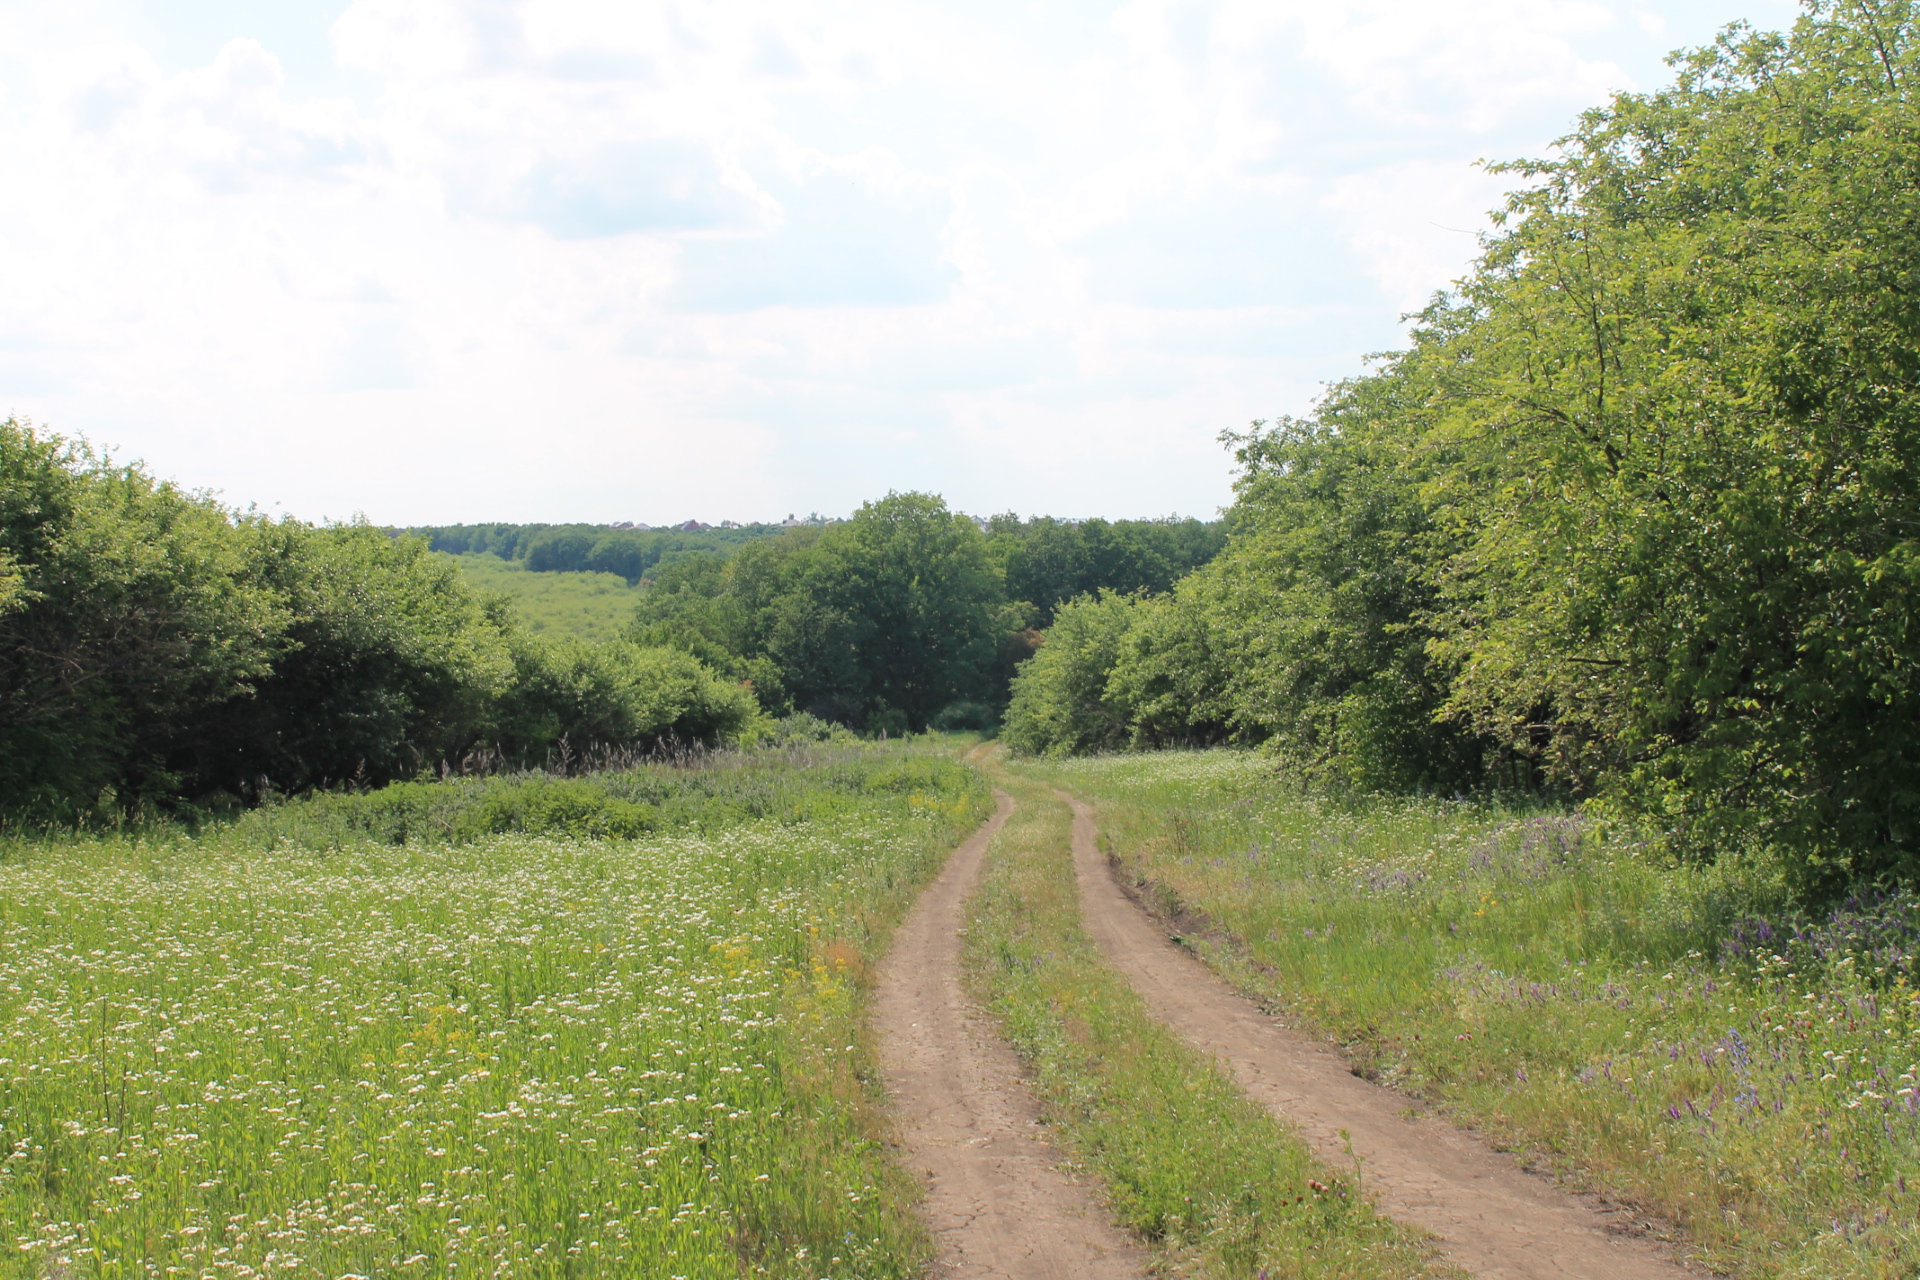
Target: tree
{"points": [[910, 583], [387, 663], [127, 606], [1326, 594], [617, 694], [1047, 562], [1062, 703], [1682, 389]]}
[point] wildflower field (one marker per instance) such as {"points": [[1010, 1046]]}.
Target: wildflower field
{"points": [[271, 1050], [1670, 1034]]}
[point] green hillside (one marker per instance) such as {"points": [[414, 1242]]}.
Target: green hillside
{"points": [[593, 606]]}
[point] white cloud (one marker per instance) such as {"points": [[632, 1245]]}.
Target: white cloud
{"points": [[571, 259]]}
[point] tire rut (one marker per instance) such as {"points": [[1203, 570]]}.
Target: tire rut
{"points": [[997, 1204], [1489, 1217]]}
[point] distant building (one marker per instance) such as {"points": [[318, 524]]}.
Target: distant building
{"points": [[623, 524], [691, 526]]}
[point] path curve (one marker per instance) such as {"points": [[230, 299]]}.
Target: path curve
{"points": [[997, 1203], [1489, 1216]]}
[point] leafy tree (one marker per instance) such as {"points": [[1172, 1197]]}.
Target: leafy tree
{"points": [[1062, 699], [1326, 595], [879, 621], [128, 607], [1684, 391], [1047, 562], [909, 583], [387, 663], [615, 694], [1173, 668]]}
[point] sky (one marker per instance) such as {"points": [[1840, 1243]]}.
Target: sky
{"points": [[431, 261]]}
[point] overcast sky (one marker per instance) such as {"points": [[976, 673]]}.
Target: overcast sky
{"points": [[443, 260]]}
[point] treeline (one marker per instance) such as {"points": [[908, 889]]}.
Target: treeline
{"points": [[906, 616], [587, 548], [158, 651], [1635, 515], [1042, 560]]}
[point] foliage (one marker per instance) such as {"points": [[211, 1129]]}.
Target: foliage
{"points": [[1683, 393], [615, 693], [1674, 1035], [1632, 518], [902, 617], [386, 663], [267, 1049], [1120, 671], [879, 621], [1326, 601], [158, 651], [129, 608], [1049, 562], [586, 548], [1062, 699]]}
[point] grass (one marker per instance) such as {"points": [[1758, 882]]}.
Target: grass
{"points": [[293, 1049], [1207, 1176], [592, 606], [1546, 981]]}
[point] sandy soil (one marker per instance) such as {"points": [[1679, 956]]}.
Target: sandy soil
{"points": [[1490, 1217], [997, 1203]]}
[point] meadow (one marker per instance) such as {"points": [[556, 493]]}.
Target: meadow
{"points": [[1668, 1034], [592, 606], [305, 1045]]}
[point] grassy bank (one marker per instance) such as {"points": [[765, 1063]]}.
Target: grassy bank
{"points": [[290, 1047], [1642, 1026], [1202, 1173]]}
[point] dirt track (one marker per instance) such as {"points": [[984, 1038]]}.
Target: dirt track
{"points": [[996, 1202], [1490, 1217]]}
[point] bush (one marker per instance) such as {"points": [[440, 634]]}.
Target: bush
{"points": [[615, 694], [1061, 702]]}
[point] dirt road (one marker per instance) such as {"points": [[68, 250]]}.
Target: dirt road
{"points": [[996, 1202], [1491, 1218]]}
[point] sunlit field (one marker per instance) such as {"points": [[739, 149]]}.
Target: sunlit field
{"points": [[1661, 1031], [529, 1055], [592, 606]]}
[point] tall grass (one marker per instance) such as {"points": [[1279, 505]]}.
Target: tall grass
{"points": [[1663, 1032], [592, 606], [300, 1051]]}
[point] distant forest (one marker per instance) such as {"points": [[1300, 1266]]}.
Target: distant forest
{"points": [[1043, 561], [586, 548]]}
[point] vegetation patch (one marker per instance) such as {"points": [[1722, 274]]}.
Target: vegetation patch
{"points": [[586, 605], [254, 1051], [1669, 1033]]}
